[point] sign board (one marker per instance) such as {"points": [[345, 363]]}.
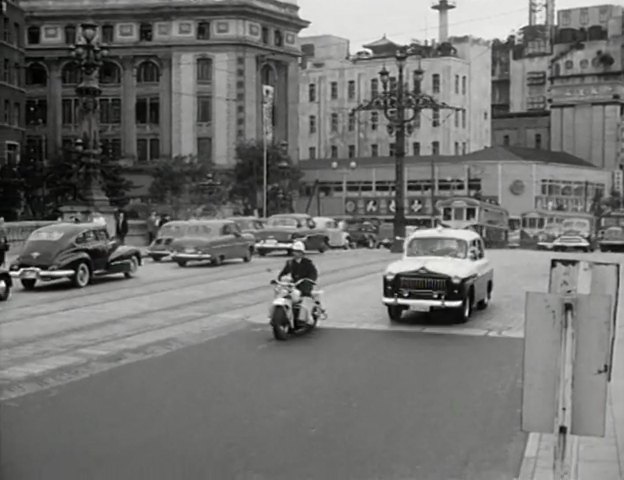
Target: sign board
{"points": [[371, 206]]}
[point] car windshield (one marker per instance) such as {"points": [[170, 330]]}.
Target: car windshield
{"points": [[175, 231], [614, 233], [46, 236], [579, 225], [246, 224], [282, 222], [437, 247], [200, 231]]}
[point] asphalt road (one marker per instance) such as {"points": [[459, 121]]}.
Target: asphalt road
{"points": [[174, 375]]}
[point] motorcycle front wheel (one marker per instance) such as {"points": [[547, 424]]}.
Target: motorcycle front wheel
{"points": [[280, 324]]}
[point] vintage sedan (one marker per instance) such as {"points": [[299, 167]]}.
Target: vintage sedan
{"points": [[250, 225], [362, 233], [77, 251], [5, 285], [441, 268], [283, 230], [337, 237], [161, 246], [212, 241], [612, 240]]}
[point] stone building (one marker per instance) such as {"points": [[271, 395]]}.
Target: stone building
{"points": [[184, 78], [12, 94]]}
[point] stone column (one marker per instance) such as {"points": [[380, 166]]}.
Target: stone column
{"points": [[165, 106], [128, 101], [54, 118], [292, 116]]}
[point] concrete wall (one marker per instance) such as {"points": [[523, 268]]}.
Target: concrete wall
{"points": [[522, 131]]}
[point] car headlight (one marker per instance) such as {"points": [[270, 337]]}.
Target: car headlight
{"points": [[389, 276], [456, 280]]}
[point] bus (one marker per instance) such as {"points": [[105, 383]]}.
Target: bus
{"points": [[488, 220], [540, 228]]}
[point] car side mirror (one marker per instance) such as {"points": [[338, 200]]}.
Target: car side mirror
{"points": [[473, 254]]}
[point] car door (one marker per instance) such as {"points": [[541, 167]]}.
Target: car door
{"points": [[97, 250], [239, 242], [482, 267], [228, 243]]}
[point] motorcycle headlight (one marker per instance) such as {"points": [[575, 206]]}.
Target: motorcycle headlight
{"points": [[456, 280]]}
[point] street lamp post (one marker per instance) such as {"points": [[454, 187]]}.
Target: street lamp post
{"points": [[401, 106], [345, 172], [89, 57]]}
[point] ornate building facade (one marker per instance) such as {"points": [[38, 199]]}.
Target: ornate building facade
{"points": [[185, 79]]}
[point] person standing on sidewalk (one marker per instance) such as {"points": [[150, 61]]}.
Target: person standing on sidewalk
{"points": [[4, 242], [152, 227], [121, 227]]}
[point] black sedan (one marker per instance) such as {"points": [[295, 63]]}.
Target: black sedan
{"points": [[77, 251], [5, 285]]}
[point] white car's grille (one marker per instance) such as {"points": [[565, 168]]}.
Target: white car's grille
{"points": [[422, 283]]}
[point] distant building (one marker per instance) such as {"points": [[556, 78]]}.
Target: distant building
{"points": [[181, 77], [12, 95]]}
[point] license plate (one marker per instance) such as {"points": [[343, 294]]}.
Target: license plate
{"points": [[271, 242]]}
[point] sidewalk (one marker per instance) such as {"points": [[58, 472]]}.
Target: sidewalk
{"points": [[597, 458]]}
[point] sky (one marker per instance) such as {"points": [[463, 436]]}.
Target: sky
{"points": [[362, 21]]}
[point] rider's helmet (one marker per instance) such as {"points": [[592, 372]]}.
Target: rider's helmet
{"points": [[298, 247]]}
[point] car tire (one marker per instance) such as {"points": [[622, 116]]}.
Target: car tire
{"points": [[462, 314], [28, 284], [134, 266], [483, 304], [261, 252], [248, 255], [82, 275], [217, 261], [324, 246], [395, 312], [5, 290], [181, 263], [157, 259], [604, 249]]}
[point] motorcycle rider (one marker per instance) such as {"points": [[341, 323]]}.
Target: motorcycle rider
{"points": [[298, 268]]}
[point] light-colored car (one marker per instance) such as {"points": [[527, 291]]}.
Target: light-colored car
{"points": [[337, 237], [281, 231], [612, 240], [441, 268], [160, 249], [212, 241]]}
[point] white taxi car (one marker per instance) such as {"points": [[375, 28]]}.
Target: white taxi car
{"points": [[441, 268]]}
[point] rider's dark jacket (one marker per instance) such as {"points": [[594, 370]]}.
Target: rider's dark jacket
{"points": [[304, 268]]}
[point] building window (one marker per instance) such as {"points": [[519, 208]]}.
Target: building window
{"points": [[312, 92], [334, 122], [36, 75], [374, 87], [17, 114], [108, 33], [70, 34], [351, 125], [464, 85], [374, 150], [204, 71], [463, 113], [110, 74], [463, 148], [278, 39], [110, 111], [456, 148], [148, 149], [456, 118], [148, 72], [374, 120], [538, 141], [435, 117], [36, 112], [204, 149], [34, 35], [71, 74], [7, 112], [265, 35], [351, 90], [312, 123], [506, 140], [35, 148], [204, 109], [334, 151], [334, 90], [312, 153], [16, 80], [435, 148], [392, 150], [6, 74], [70, 112], [203, 31], [351, 151], [569, 65], [416, 148], [11, 153], [457, 84], [435, 81], [6, 31], [111, 148], [145, 32], [147, 111]]}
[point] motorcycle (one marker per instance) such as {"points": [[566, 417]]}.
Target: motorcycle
{"points": [[284, 311]]}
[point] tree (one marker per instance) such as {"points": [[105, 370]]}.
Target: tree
{"points": [[10, 188], [282, 176], [114, 184]]}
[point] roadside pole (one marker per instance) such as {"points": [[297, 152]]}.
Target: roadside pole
{"points": [[569, 335]]}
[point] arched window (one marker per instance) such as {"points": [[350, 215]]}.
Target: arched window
{"points": [[36, 74], [110, 73], [148, 72], [267, 75], [71, 74]]}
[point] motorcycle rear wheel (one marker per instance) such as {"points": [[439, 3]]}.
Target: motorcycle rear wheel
{"points": [[280, 324]]}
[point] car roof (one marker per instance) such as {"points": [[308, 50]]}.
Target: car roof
{"points": [[325, 218], [290, 215], [70, 228], [214, 222], [233, 219], [466, 235]]}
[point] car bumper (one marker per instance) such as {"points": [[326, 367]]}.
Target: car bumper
{"points": [[192, 256], [571, 246], [274, 246], [33, 273], [422, 304], [545, 245], [159, 253]]}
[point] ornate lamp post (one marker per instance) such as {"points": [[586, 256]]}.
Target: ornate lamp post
{"points": [[352, 166], [401, 106], [89, 57]]}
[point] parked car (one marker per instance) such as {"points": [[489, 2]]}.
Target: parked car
{"points": [[362, 233], [250, 225], [281, 231], [337, 237], [77, 251], [612, 240], [441, 268], [5, 285], [385, 235], [161, 246], [546, 239], [212, 241]]}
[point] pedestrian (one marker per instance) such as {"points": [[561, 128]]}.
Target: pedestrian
{"points": [[4, 241], [152, 227], [121, 227], [164, 219]]}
